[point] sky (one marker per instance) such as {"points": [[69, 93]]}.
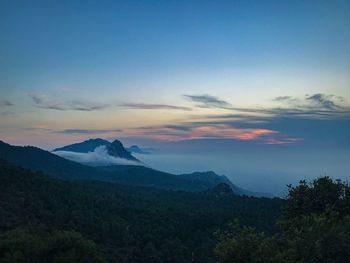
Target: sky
{"points": [[247, 75]]}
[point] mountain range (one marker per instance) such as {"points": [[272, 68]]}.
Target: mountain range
{"points": [[36, 159]]}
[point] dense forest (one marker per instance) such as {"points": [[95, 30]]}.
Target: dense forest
{"points": [[45, 219], [314, 227]]}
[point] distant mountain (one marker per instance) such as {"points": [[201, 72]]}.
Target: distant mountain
{"points": [[36, 159], [85, 146], [136, 149], [214, 179], [221, 189], [117, 149], [39, 160]]}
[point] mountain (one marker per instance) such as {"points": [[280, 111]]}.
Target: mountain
{"points": [[221, 189], [117, 149], [39, 160], [85, 146], [36, 159], [212, 178], [136, 149]]}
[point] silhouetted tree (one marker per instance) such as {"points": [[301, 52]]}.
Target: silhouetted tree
{"points": [[315, 227]]}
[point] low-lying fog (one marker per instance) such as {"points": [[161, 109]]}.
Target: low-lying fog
{"points": [[257, 171]]}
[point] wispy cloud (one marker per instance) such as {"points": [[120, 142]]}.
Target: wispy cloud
{"points": [[99, 157], [87, 131], [39, 127], [208, 101], [46, 102], [147, 106], [178, 127], [310, 106], [317, 105], [263, 125], [329, 102], [282, 98], [202, 130], [5, 103]]}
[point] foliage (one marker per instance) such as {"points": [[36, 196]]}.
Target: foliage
{"points": [[24, 244], [117, 223], [315, 227]]}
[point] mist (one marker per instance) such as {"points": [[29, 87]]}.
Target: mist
{"points": [[99, 157], [267, 171]]}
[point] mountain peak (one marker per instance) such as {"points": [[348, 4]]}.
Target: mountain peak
{"points": [[117, 149], [136, 149], [83, 147]]}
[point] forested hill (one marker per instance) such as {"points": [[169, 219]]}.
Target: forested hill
{"points": [[44, 219], [39, 160]]}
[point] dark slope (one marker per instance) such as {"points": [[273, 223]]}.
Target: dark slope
{"points": [[85, 146], [213, 179], [124, 221], [39, 160], [36, 159], [117, 149]]}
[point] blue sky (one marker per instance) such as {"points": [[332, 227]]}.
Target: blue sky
{"points": [[175, 70]]}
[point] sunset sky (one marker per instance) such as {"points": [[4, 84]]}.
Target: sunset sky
{"points": [[256, 72]]}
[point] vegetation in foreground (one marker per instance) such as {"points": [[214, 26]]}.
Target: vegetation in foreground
{"points": [[314, 227], [44, 219]]}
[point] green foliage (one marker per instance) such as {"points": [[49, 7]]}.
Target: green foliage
{"points": [[127, 224], [26, 245], [244, 244], [315, 227]]}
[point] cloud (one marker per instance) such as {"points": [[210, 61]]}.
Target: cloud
{"points": [[45, 102], [326, 101], [99, 157], [146, 106], [39, 127], [282, 98], [87, 131], [207, 101], [178, 127], [317, 105], [5, 103], [294, 120], [202, 130], [313, 106]]}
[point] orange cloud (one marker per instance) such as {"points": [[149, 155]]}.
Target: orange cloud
{"points": [[201, 132], [255, 134]]}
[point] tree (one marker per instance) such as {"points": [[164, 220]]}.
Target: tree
{"points": [[315, 227], [33, 245]]}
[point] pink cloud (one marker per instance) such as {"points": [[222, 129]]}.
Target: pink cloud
{"points": [[201, 132]]}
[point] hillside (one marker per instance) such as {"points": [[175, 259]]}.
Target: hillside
{"points": [[121, 223], [39, 160]]}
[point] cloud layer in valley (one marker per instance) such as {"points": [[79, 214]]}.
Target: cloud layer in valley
{"points": [[99, 157]]}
